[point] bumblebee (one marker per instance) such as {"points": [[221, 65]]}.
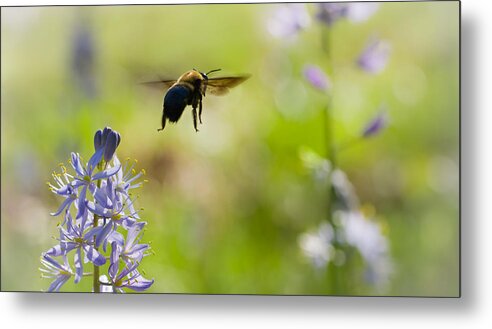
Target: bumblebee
{"points": [[189, 89]]}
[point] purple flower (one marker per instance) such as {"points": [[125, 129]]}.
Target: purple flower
{"points": [[85, 177], [109, 205], [106, 141], [132, 251], [129, 277], [126, 179], [80, 238], [375, 56], [316, 77], [375, 125], [64, 189], [99, 191], [288, 20], [54, 270]]}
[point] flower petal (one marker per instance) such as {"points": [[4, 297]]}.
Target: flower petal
{"points": [[95, 159], [77, 166], [107, 173], [55, 251], [66, 203], [104, 233], [94, 256], [79, 270], [58, 283]]}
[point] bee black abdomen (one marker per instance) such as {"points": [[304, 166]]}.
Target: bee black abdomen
{"points": [[175, 102]]}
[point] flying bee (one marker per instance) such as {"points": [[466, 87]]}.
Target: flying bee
{"points": [[189, 89]]}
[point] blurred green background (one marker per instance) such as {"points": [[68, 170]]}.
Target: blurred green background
{"points": [[225, 207]]}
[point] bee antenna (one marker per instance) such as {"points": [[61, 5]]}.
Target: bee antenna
{"points": [[213, 71]]}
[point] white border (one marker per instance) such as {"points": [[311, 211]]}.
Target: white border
{"points": [[473, 310]]}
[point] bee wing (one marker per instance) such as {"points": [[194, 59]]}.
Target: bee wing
{"points": [[221, 86], [161, 84]]}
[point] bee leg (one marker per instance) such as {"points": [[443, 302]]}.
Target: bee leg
{"points": [[200, 111], [194, 118], [163, 122]]}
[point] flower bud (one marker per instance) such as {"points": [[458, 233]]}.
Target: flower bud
{"points": [[112, 142], [98, 140]]}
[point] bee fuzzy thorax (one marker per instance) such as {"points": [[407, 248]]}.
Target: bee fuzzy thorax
{"points": [[191, 77]]}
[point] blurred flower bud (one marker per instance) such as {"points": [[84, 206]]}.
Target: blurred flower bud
{"points": [[317, 78], [375, 56], [375, 125]]}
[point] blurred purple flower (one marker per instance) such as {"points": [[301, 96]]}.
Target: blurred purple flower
{"points": [[288, 20], [365, 235], [375, 56], [317, 245], [359, 12], [375, 125], [83, 59], [331, 12], [316, 77], [356, 12]]}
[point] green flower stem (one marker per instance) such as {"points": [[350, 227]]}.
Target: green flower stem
{"points": [[95, 279]]}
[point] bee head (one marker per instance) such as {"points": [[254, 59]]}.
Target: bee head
{"points": [[205, 75]]}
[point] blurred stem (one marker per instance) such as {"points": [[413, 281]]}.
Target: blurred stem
{"points": [[349, 143], [333, 271]]}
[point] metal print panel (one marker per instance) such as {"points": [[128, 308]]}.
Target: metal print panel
{"points": [[273, 149]]}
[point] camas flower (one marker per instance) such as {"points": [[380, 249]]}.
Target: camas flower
{"points": [[63, 188], [132, 251], [79, 238], [113, 208], [54, 270], [127, 178], [86, 177], [128, 277], [99, 191]]}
